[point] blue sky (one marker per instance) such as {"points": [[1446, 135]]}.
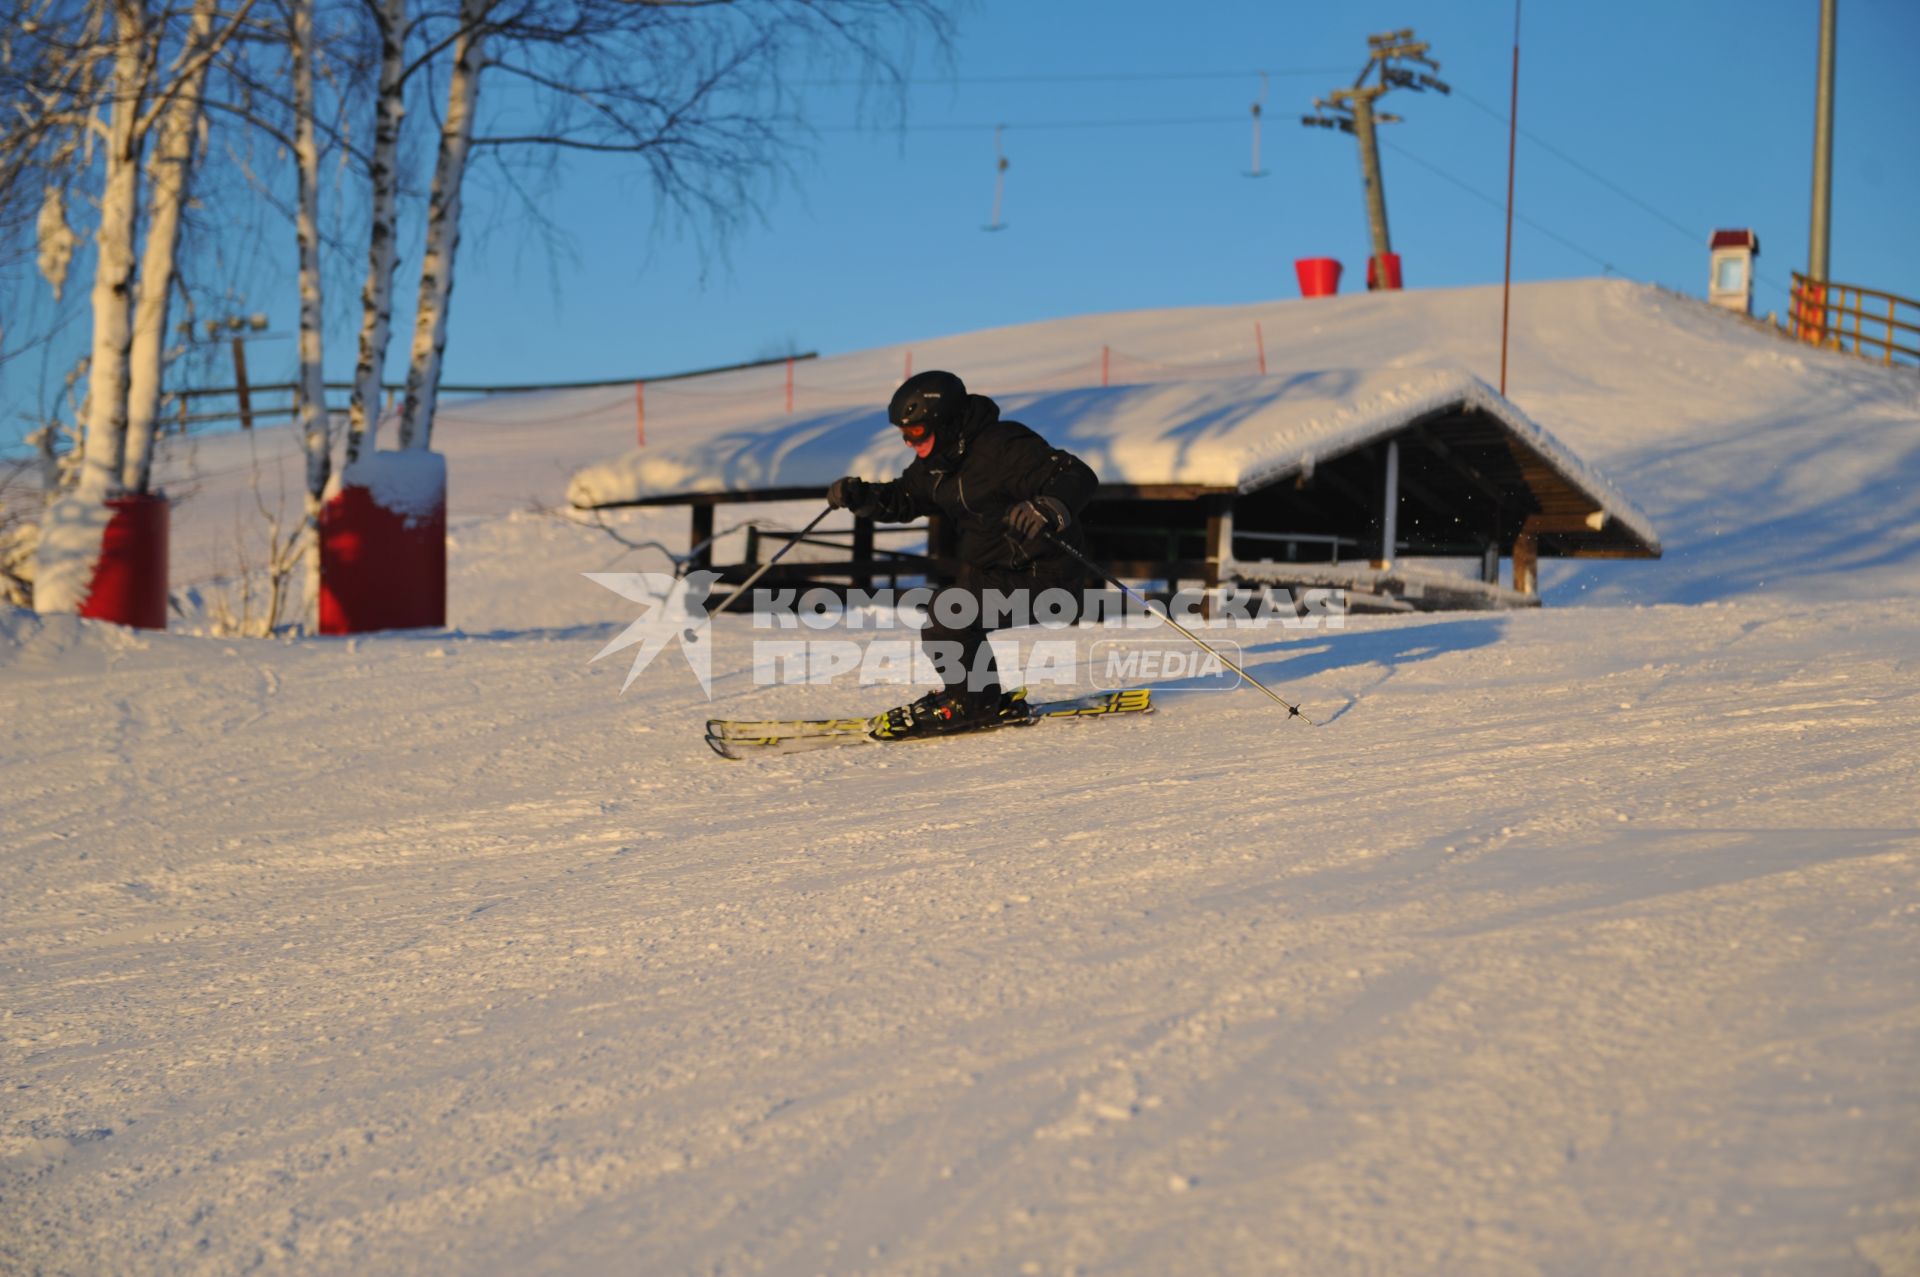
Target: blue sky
{"points": [[1696, 113], [1702, 111]]}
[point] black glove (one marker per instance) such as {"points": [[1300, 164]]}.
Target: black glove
{"points": [[1040, 514], [849, 494]]}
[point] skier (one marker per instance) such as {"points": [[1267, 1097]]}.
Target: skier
{"points": [[1005, 488]]}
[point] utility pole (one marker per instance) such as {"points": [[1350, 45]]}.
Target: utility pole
{"points": [[1821, 233], [1352, 111]]}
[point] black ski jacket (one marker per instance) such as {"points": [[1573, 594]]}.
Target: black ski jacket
{"points": [[974, 479]]}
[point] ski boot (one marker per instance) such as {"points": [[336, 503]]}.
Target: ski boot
{"points": [[945, 712]]}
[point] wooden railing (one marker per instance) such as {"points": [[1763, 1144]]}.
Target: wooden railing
{"points": [[1872, 324]]}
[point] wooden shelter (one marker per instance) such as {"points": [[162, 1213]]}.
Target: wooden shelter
{"points": [[1333, 479]]}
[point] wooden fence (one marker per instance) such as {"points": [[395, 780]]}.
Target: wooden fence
{"points": [[1863, 321]]}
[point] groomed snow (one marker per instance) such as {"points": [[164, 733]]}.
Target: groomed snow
{"points": [[1579, 940]]}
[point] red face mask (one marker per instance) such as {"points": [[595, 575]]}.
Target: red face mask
{"points": [[918, 437]]}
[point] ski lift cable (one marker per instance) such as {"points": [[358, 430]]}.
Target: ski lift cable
{"points": [[1691, 234], [1032, 126], [1079, 77], [1481, 195]]}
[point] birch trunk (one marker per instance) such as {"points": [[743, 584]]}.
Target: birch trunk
{"points": [[168, 173], [443, 231], [104, 436], [310, 389], [74, 524], [376, 296]]}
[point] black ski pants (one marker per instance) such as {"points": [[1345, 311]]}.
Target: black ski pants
{"points": [[981, 601]]}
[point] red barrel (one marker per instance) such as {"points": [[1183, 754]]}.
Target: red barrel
{"points": [[381, 569], [1319, 276], [1387, 278], [130, 580]]}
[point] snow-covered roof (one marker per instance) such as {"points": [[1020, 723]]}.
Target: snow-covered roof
{"points": [[1239, 433]]}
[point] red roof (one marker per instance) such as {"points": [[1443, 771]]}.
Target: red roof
{"points": [[1736, 239]]}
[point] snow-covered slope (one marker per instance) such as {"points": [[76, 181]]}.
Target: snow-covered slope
{"points": [[1762, 463], [1580, 940]]}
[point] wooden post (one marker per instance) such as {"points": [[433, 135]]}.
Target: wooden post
{"points": [[1526, 546], [240, 388], [640, 411], [700, 548], [862, 550], [1526, 562]]}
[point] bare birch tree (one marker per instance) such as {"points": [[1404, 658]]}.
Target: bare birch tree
{"points": [[310, 390], [103, 441], [168, 173], [138, 100], [383, 178], [116, 115], [443, 227], [694, 88]]}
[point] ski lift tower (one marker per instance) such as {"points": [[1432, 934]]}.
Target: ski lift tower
{"points": [[1352, 111]]}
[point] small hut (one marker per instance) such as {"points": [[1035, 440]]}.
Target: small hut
{"points": [[1352, 479]]}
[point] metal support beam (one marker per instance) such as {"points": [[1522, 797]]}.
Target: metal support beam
{"points": [[1390, 506], [1820, 235], [1363, 128], [1353, 111]]}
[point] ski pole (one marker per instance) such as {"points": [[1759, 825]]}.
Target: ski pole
{"points": [[1293, 711], [764, 567]]}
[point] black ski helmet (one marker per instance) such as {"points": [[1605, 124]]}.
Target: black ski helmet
{"points": [[932, 399]]}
